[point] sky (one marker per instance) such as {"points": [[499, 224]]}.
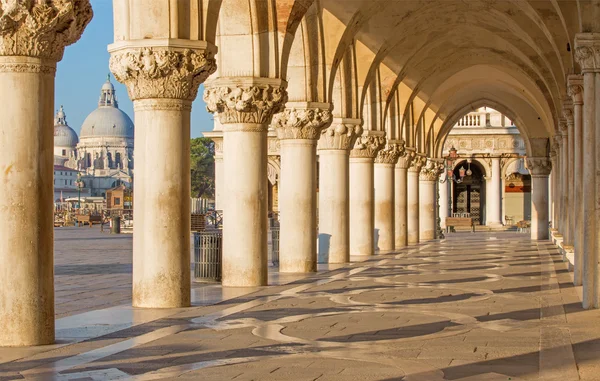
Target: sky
{"points": [[83, 70]]}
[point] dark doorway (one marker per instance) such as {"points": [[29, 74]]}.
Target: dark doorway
{"points": [[469, 195]]}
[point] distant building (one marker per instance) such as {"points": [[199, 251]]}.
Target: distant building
{"points": [[104, 151], [65, 183]]}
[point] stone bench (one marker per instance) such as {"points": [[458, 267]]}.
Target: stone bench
{"points": [[452, 222]]}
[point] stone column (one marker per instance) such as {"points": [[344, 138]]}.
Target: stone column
{"points": [[558, 184], [245, 107], [401, 199], [298, 128], [564, 180], [575, 91], [494, 197], [385, 163], [539, 167], [162, 80], [219, 183], [334, 198], [362, 200], [33, 37], [428, 178], [554, 185], [587, 52], [444, 208], [413, 199], [570, 229]]}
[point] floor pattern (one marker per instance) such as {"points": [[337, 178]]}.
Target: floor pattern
{"points": [[482, 306]]}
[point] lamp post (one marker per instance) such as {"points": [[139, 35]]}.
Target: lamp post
{"points": [[79, 184]]}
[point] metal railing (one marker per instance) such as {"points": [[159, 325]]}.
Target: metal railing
{"points": [[274, 246], [208, 255]]}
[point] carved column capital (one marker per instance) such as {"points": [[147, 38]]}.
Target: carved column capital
{"points": [[575, 88], [431, 170], [568, 112], [417, 163], [539, 166], [302, 123], [341, 134], [587, 51], [406, 158], [563, 126], [368, 144], [150, 72], [41, 29], [391, 153], [245, 100]]}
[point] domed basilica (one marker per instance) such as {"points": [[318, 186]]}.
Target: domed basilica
{"points": [[103, 152]]}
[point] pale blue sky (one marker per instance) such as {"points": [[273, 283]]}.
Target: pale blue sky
{"points": [[83, 70]]}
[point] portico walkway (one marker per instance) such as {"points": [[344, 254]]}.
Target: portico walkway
{"points": [[482, 306]]}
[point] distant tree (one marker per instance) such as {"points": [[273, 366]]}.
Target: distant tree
{"points": [[203, 167]]}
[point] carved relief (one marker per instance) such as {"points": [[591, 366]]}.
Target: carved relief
{"points": [[587, 52], [301, 123], [539, 166], [391, 153], [575, 88], [273, 146], [405, 159], [339, 136], [431, 170], [368, 145], [250, 104], [41, 29], [153, 72], [417, 163]]}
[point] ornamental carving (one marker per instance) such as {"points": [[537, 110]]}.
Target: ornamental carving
{"points": [[153, 72], [391, 153], [368, 145], [417, 162], [273, 146], [575, 88], [301, 123], [539, 166], [431, 170], [562, 126], [41, 29], [339, 136], [587, 51], [568, 115], [405, 159], [250, 104]]}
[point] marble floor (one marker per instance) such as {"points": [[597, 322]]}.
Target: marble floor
{"points": [[476, 306]]}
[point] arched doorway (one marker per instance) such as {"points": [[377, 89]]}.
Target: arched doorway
{"points": [[468, 196]]}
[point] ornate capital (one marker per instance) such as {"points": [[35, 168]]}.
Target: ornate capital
{"points": [[563, 126], [306, 123], [539, 166], [587, 51], [340, 135], [161, 72], [252, 100], [391, 153], [41, 29], [405, 159], [417, 163], [431, 170], [568, 112], [575, 88], [368, 144]]}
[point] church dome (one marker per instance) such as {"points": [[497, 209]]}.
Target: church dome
{"points": [[107, 120], [64, 136]]}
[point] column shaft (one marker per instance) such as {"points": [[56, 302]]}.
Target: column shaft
{"points": [[444, 202], [26, 220], [575, 89], [219, 183], [495, 195], [246, 200], [427, 207], [298, 205], [413, 206], [334, 206], [362, 218], [571, 185], [564, 186], [401, 207], [384, 206], [539, 207], [161, 248]]}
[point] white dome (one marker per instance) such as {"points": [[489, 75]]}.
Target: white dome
{"points": [[64, 136], [107, 121]]}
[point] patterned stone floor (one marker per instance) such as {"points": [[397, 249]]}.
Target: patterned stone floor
{"points": [[482, 306]]}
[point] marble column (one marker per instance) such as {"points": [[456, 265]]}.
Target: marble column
{"points": [[558, 184], [33, 38], [162, 80], [539, 167], [385, 163], [401, 199], [444, 206], [575, 91], [413, 199], [564, 180], [245, 107], [219, 183], [362, 195], [298, 129], [587, 51], [554, 185], [334, 198], [568, 114], [494, 197], [428, 178]]}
